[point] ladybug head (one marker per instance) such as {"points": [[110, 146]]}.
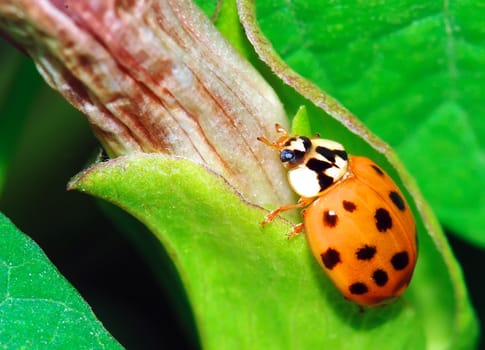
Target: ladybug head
{"points": [[294, 150]]}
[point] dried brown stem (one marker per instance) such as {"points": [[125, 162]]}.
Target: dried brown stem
{"points": [[155, 76]]}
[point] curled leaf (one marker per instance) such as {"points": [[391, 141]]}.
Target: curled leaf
{"points": [[249, 287]]}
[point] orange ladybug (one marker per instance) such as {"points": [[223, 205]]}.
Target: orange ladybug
{"points": [[357, 222]]}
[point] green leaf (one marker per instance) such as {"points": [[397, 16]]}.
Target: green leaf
{"points": [[209, 7], [301, 122], [413, 74], [228, 24], [39, 308], [254, 288]]}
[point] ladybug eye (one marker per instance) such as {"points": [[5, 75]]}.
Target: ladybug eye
{"points": [[287, 156], [291, 156]]}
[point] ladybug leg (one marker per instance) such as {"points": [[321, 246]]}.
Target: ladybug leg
{"points": [[296, 230], [302, 202]]}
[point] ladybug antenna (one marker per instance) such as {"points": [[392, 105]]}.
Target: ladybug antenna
{"points": [[279, 143]]}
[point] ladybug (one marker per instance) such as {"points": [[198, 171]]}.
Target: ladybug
{"points": [[357, 223]]}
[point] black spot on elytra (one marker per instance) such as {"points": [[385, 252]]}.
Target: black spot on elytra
{"points": [[366, 252], [383, 220], [349, 206], [330, 218], [380, 277], [330, 154], [400, 260], [397, 200], [358, 288], [377, 170], [330, 258]]}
